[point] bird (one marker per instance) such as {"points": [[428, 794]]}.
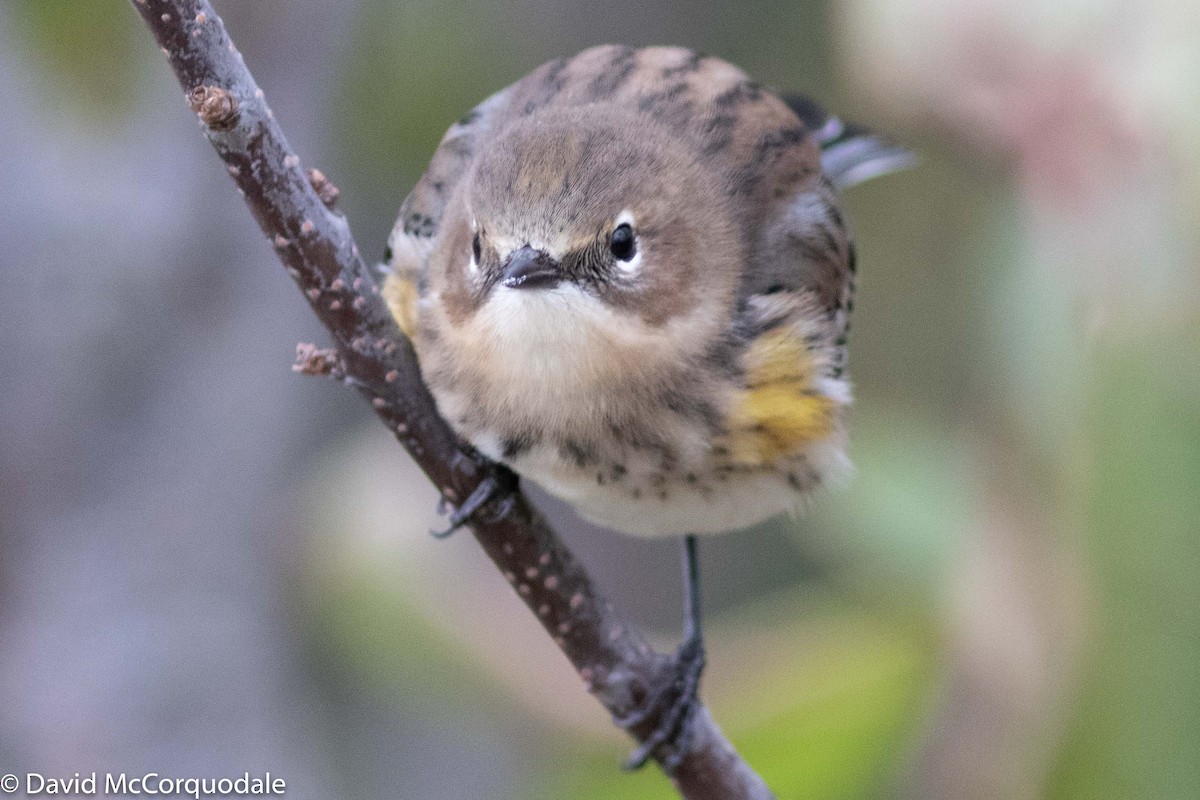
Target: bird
{"points": [[628, 277]]}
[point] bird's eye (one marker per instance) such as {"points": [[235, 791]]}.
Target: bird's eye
{"points": [[476, 248], [623, 244]]}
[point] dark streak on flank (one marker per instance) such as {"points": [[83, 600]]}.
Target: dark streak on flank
{"points": [[828, 240], [809, 250], [582, 455], [835, 214], [653, 443], [685, 404], [517, 446]]}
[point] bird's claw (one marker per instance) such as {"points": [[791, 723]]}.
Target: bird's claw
{"points": [[674, 707], [488, 489]]}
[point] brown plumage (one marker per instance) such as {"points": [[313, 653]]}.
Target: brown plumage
{"points": [[628, 276]]}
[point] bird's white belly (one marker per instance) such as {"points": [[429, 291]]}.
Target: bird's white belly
{"points": [[644, 502], [741, 500]]}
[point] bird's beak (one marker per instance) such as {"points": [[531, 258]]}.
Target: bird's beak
{"points": [[527, 268]]}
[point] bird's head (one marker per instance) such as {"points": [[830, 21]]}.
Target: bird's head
{"points": [[580, 231]]}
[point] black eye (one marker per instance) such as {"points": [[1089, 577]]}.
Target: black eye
{"points": [[623, 245], [476, 248]]}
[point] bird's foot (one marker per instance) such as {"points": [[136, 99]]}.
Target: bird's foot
{"points": [[674, 709], [490, 488]]}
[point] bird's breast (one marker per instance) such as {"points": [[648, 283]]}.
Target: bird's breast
{"points": [[558, 363], [625, 423]]}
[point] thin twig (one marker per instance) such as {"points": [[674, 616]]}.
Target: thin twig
{"points": [[294, 210]]}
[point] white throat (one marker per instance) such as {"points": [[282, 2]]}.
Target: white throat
{"points": [[558, 336]]}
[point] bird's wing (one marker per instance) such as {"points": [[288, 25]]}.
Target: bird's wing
{"points": [[798, 292], [793, 313], [803, 267]]}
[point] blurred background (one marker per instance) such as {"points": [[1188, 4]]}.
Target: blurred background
{"points": [[209, 565]]}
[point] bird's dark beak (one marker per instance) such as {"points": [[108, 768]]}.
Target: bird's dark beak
{"points": [[531, 269]]}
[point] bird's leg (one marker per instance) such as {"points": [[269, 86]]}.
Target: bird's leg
{"points": [[488, 489], [674, 706]]}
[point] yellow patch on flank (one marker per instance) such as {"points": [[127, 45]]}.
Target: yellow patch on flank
{"points": [[401, 296], [780, 412]]}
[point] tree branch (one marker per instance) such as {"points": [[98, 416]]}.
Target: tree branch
{"points": [[294, 210]]}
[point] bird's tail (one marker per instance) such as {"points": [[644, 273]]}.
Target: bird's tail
{"points": [[850, 154]]}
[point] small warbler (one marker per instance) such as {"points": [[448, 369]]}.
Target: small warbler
{"points": [[628, 277]]}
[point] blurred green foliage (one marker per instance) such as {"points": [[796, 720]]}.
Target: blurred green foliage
{"points": [[1137, 731], [901, 517], [365, 632], [84, 51]]}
